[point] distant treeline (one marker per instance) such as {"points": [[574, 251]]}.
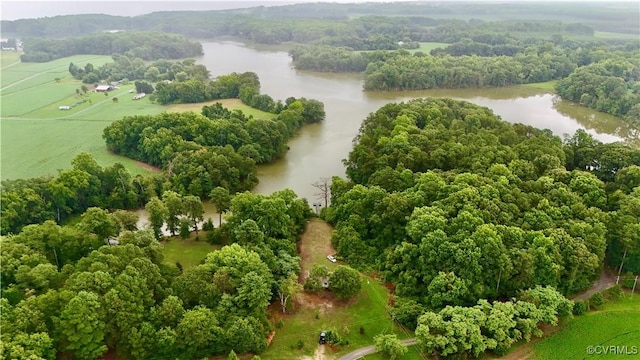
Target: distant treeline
{"points": [[306, 22], [144, 45]]}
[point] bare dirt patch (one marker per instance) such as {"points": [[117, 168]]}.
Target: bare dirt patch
{"points": [[319, 354], [607, 279]]}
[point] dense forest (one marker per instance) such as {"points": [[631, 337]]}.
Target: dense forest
{"points": [[306, 22], [145, 45], [454, 205], [64, 292], [481, 228]]}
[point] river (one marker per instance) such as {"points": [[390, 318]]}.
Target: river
{"points": [[317, 151]]}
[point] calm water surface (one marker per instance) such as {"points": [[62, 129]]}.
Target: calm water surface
{"points": [[317, 151]]}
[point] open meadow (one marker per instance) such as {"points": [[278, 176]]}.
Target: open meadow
{"points": [[616, 323], [37, 138]]}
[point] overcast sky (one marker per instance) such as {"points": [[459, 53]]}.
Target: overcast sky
{"points": [[12, 10]]}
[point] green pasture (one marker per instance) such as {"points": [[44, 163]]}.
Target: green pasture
{"points": [[23, 76], [549, 86], [426, 47], [188, 252], [9, 58], [37, 138], [617, 323], [412, 354]]}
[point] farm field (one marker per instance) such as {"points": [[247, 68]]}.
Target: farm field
{"points": [[37, 138], [615, 324]]}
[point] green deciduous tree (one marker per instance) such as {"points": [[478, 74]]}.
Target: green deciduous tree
{"points": [[287, 289], [157, 215], [345, 282], [390, 346], [81, 324], [221, 199]]}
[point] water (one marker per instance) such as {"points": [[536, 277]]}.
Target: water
{"points": [[318, 150]]}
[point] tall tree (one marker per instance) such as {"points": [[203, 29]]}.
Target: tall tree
{"points": [[324, 190], [157, 215], [221, 199], [345, 282], [389, 345], [194, 210], [81, 324], [287, 289], [175, 207]]}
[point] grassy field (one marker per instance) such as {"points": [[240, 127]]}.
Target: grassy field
{"points": [[37, 138], [315, 313], [426, 47], [188, 252], [549, 86], [615, 324], [412, 354]]}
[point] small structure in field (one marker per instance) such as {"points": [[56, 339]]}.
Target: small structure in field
{"points": [[64, 107], [104, 88], [139, 96]]}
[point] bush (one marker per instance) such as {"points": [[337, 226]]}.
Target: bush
{"points": [[300, 344], [613, 293], [580, 307], [214, 237], [596, 300], [627, 280], [185, 228], [280, 324], [333, 338], [208, 225]]}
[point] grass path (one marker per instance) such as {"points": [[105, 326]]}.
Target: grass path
{"points": [[357, 320], [10, 65]]}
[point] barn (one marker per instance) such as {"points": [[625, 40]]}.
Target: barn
{"points": [[104, 88]]}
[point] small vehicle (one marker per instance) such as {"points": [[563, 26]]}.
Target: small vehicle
{"points": [[323, 338], [331, 258]]}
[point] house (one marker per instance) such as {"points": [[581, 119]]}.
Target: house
{"points": [[104, 88], [139, 96]]}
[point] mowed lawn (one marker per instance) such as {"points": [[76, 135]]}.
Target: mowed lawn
{"points": [[616, 324], [188, 252], [315, 313], [38, 139]]}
